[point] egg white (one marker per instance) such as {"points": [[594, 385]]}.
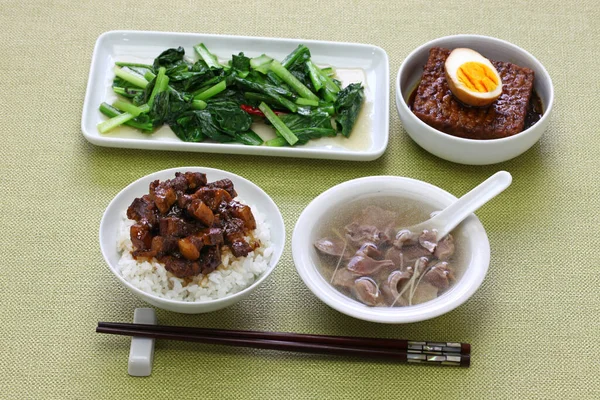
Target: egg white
{"points": [[459, 57]]}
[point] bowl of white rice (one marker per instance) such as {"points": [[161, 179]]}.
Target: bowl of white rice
{"points": [[229, 283]]}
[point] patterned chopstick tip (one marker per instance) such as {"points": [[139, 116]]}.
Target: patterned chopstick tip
{"points": [[448, 353]]}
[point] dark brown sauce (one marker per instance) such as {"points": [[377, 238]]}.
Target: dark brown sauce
{"points": [[411, 98], [535, 110]]}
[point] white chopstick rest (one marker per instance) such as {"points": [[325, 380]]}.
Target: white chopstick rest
{"points": [[141, 353]]}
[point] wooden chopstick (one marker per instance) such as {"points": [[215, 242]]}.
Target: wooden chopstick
{"points": [[351, 341], [420, 352]]}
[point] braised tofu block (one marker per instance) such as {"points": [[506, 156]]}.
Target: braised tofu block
{"points": [[435, 104]]}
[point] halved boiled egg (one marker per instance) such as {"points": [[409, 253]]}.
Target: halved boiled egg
{"points": [[472, 78]]}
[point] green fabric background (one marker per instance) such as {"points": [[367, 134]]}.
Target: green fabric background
{"points": [[534, 324]]}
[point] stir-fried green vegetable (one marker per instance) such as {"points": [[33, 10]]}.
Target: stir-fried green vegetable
{"points": [[207, 99], [347, 106]]}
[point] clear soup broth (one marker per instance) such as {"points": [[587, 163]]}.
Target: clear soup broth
{"points": [[363, 251]]}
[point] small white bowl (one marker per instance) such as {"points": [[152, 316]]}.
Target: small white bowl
{"points": [[247, 191], [476, 248], [470, 151]]}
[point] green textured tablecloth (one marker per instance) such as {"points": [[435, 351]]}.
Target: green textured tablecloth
{"points": [[534, 324]]}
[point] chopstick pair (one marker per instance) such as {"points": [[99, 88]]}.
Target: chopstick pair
{"points": [[452, 354]]}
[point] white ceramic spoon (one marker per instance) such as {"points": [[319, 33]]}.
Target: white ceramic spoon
{"points": [[455, 213]]}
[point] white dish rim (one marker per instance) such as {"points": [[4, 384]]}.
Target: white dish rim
{"points": [[382, 106]]}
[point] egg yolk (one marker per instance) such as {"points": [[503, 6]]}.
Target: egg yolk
{"points": [[477, 77]]}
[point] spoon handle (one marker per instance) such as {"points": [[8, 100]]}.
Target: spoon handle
{"points": [[453, 215]]}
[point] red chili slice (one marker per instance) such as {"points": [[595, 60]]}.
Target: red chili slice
{"points": [[255, 111]]}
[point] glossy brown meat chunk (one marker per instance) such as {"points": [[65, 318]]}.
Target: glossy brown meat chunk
{"points": [[190, 248], [225, 184], [435, 105], [201, 212], [212, 197], [163, 194], [141, 209], [212, 236], [141, 236], [240, 248], [244, 213], [180, 267], [194, 180], [166, 193], [174, 226], [210, 259], [164, 244], [185, 221], [234, 237]]}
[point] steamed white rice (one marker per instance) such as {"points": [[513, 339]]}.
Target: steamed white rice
{"points": [[233, 275]]}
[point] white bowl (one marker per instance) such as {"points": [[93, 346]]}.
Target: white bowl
{"points": [[476, 249], [248, 192], [470, 151]]}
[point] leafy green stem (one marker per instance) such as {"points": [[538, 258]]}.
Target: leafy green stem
{"points": [[212, 91], [149, 76], [161, 84], [270, 90], [314, 75], [198, 104], [329, 71], [127, 92], [330, 88], [287, 134], [111, 112], [276, 142], [130, 77], [307, 102], [260, 60], [127, 107], [291, 80], [120, 119], [210, 59], [134, 65]]}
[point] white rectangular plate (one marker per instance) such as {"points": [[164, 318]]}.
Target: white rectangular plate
{"points": [[354, 62]]}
